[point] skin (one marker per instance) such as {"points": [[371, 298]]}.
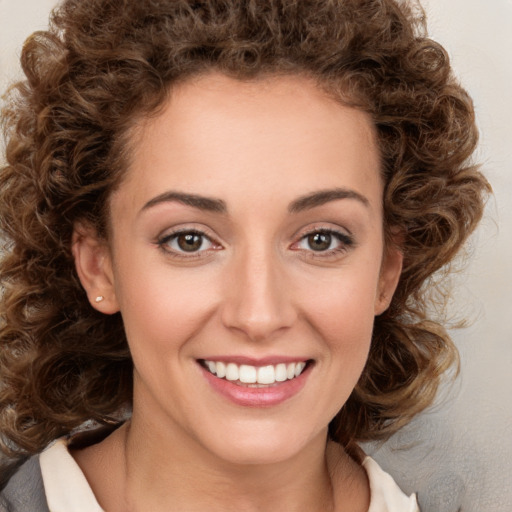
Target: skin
{"points": [[255, 288]]}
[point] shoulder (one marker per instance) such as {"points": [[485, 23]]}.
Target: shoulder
{"points": [[25, 490], [386, 496], [368, 478]]}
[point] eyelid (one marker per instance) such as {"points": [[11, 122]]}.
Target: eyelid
{"points": [[163, 239], [322, 227], [345, 238]]}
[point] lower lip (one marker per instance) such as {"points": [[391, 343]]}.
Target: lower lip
{"points": [[258, 397]]}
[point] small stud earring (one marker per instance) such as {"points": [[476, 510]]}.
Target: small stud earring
{"points": [[99, 298]]}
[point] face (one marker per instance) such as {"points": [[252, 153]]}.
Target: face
{"points": [[247, 261]]}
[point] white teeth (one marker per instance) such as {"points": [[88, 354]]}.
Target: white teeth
{"points": [[266, 375], [248, 374], [220, 370], [298, 368], [281, 373], [232, 372]]}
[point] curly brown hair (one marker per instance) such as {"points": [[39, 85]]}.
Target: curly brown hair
{"points": [[102, 65]]}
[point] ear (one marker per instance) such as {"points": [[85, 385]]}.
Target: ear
{"points": [[390, 272], [93, 264]]}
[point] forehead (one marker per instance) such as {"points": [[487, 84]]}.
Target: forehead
{"points": [[216, 135]]}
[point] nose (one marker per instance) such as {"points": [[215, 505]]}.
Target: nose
{"points": [[258, 299]]}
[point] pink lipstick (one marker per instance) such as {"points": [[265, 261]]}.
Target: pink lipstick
{"points": [[262, 383]]}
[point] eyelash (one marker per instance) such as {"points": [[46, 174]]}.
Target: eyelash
{"points": [[345, 242], [164, 244]]}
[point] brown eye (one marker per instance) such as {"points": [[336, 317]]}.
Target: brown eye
{"points": [[186, 242], [319, 241], [325, 242], [189, 242]]}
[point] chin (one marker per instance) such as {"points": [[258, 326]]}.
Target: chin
{"points": [[262, 445]]}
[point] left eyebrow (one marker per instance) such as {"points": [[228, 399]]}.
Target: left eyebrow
{"points": [[325, 196], [196, 201]]}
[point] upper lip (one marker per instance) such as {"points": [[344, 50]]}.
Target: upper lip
{"points": [[260, 361]]}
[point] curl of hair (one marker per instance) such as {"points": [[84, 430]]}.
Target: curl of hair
{"points": [[105, 63]]}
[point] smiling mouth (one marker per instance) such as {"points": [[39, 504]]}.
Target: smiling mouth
{"points": [[255, 376]]}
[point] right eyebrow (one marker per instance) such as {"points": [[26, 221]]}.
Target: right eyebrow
{"points": [[325, 196], [209, 204]]}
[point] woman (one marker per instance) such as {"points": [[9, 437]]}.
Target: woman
{"points": [[220, 220]]}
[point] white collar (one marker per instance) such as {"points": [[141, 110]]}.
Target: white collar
{"points": [[67, 489]]}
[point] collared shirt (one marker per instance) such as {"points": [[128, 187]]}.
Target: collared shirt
{"points": [[67, 489]]}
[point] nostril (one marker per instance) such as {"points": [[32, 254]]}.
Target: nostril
{"points": [[258, 319]]}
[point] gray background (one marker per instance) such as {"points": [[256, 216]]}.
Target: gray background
{"points": [[458, 455]]}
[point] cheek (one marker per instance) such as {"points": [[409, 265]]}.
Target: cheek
{"points": [[163, 307], [340, 318], [343, 302], [341, 314]]}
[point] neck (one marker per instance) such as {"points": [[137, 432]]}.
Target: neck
{"points": [[173, 470], [144, 466]]}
